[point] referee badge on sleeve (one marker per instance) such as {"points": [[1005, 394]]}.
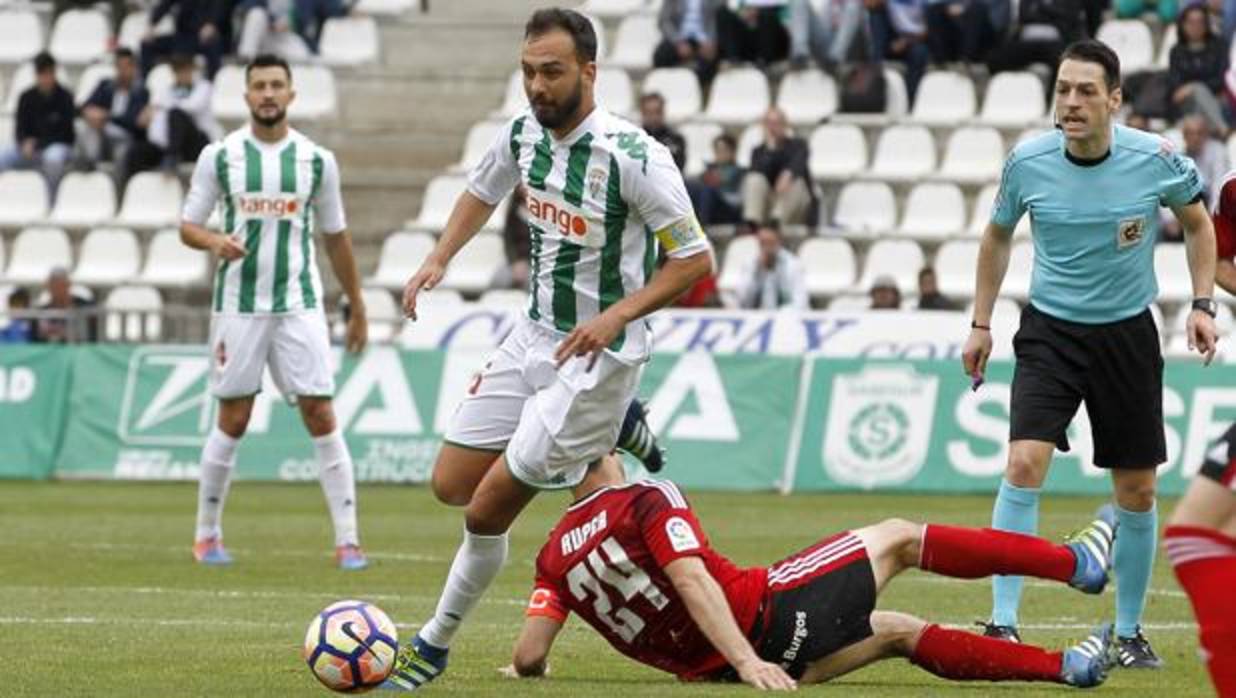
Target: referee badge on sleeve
{"points": [[1129, 232]]}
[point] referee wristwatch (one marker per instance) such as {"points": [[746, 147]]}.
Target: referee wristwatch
{"points": [[1206, 305]]}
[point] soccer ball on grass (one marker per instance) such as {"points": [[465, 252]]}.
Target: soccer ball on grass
{"points": [[350, 646]]}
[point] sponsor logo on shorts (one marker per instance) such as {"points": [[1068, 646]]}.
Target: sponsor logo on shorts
{"points": [[680, 535], [796, 641], [575, 538]]}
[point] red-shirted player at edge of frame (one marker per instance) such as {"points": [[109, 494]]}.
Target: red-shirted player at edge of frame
{"points": [[633, 562]]}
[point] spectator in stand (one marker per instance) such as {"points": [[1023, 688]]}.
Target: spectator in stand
{"points": [[775, 278], [898, 31], [885, 295], [1043, 29], [965, 30], [689, 36], [287, 28], [717, 194], [76, 321], [929, 296], [826, 35], [778, 184], [652, 119], [753, 32], [198, 30], [109, 119], [1209, 154], [1196, 66], [178, 121], [516, 242], [20, 330], [44, 128]]}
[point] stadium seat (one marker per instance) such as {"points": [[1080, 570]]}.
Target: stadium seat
{"points": [[108, 257], [737, 97], [901, 259], [439, 298], [22, 79], [1005, 311], [750, 139], [983, 203], [480, 137], [955, 265], [974, 155], [634, 43], [21, 35], [401, 255], [838, 152], [37, 251], [383, 313], [611, 8], [504, 299], [514, 100], [315, 93], [807, 96], [934, 211], [944, 98], [1021, 266], [84, 199], [1013, 100], [439, 199], [1165, 47], [23, 198], [829, 265], [133, 314], [904, 154], [599, 27], [699, 138], [1132, 42], [681, 91], [866, 209], [739, 254], [473, 268], [161, 78], [7, 124], [90, 78], [896, 103], [850, 303], [349, 41], [1171, 269], [385, 7], [79, 36], [151, 200], [172, 264], [614, 91], [227, 98]]}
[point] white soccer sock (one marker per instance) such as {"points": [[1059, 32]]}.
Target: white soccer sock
{"points": [[477, 563], [218, 459], [339, 485]]}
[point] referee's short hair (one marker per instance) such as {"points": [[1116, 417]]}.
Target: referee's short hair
{"points": [[1094, 51], [578, 26]]}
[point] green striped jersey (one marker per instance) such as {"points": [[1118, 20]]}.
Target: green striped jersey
{"points": [[599, 202], [269, 196]]}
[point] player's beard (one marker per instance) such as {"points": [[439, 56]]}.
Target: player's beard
{"points": [[552, 117], [268, 121]]}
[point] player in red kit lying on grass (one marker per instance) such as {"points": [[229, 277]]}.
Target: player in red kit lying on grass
{"points": [[633, 561]]}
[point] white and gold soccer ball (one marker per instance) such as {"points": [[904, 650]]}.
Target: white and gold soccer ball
{"points": [[350, 646]]}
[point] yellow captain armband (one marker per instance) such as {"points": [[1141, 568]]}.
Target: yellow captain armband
{"points": [[679, 234]]}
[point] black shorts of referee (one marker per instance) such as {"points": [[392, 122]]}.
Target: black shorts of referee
{"points": [[1115, 368]]}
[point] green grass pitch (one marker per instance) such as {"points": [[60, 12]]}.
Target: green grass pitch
{"points": [[98, 596]]}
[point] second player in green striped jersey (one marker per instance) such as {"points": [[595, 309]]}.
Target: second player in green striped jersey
{"points": [[600, 200], [272, 195]]}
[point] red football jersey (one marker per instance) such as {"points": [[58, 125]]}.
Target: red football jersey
{"points": [[1224, 216], [604, 561]]}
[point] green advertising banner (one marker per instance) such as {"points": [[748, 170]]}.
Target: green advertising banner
{"points": [[34, 387]]}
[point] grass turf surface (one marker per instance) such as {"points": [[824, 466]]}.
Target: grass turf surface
{"points": [[98, 596]]}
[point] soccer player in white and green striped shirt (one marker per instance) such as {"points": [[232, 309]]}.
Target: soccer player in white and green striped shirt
{"points": [[275, 186], [603, 196]]}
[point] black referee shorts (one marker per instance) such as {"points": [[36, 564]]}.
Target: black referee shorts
{"points": [[1116, 368]]}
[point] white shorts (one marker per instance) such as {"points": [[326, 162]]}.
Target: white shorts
{"points": [[552, 423], [296, 347]]}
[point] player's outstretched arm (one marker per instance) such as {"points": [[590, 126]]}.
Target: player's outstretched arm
{"points": [[467, 217], [343, 262], [993, 262], [708, 607], [1200, 249], [531, 655]]}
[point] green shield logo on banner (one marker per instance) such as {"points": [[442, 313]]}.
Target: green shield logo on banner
{"points": [[879, 425]]}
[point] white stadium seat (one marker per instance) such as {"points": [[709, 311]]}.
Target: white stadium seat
{"points": [[1165, 47], [955, 265], [23, 198], [866, 208], [739, 254], [807, 96], [7, 124], [79, 36], [901, 259], [1013, 100], [133, 29], [133, 314], [227, 99], [514, 100], [983, 203], [850, 303], [21, 35], [750, 139], [1021, 266], [439, 200], [681, 91], [37, 251], [611, 8], [974, 155], [401, 255], [84, 199], [1132, 42], [161, 79], [944, 98], [1171, 269], [90, 79], [904, 154], [838, 152], [1005, 311], [829, 265], [480, 137], [473, 268], [315, 93], [614, 91], [738, 96], [22, 79], [349, 41], [699, 137], [151, 200], [934, 211], [383, 313], [504, 298], [108, 257], [385, 7], [172, 264], [635, 42]]}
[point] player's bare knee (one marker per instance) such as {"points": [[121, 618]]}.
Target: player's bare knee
{"points": [[1023, 470], [898, 632], [904, 539], [234, 417], [448, 490], [318, 416], [1135, 496]]}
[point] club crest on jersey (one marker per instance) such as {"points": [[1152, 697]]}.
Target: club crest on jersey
{"points": [[597, 179], [273, 206], [557, 215]]}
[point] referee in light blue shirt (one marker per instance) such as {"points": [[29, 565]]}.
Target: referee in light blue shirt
{"points": [[1093, 190]]}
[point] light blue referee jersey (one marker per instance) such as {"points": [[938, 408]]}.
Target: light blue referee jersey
{"points": [[1094, 224]]}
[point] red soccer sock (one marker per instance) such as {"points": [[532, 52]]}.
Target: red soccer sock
{"points": [[970, 553], [1205, 564], [964, 656]]}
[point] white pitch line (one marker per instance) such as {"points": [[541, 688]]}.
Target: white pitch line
{"points": [[191, 622], [245, 593], [403, 557], [1157, 627], [1037, 584]]}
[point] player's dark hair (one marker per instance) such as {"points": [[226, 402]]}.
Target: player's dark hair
{"points": [[1094, 51], [578, 26], [268, 60], [44, 62]]}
